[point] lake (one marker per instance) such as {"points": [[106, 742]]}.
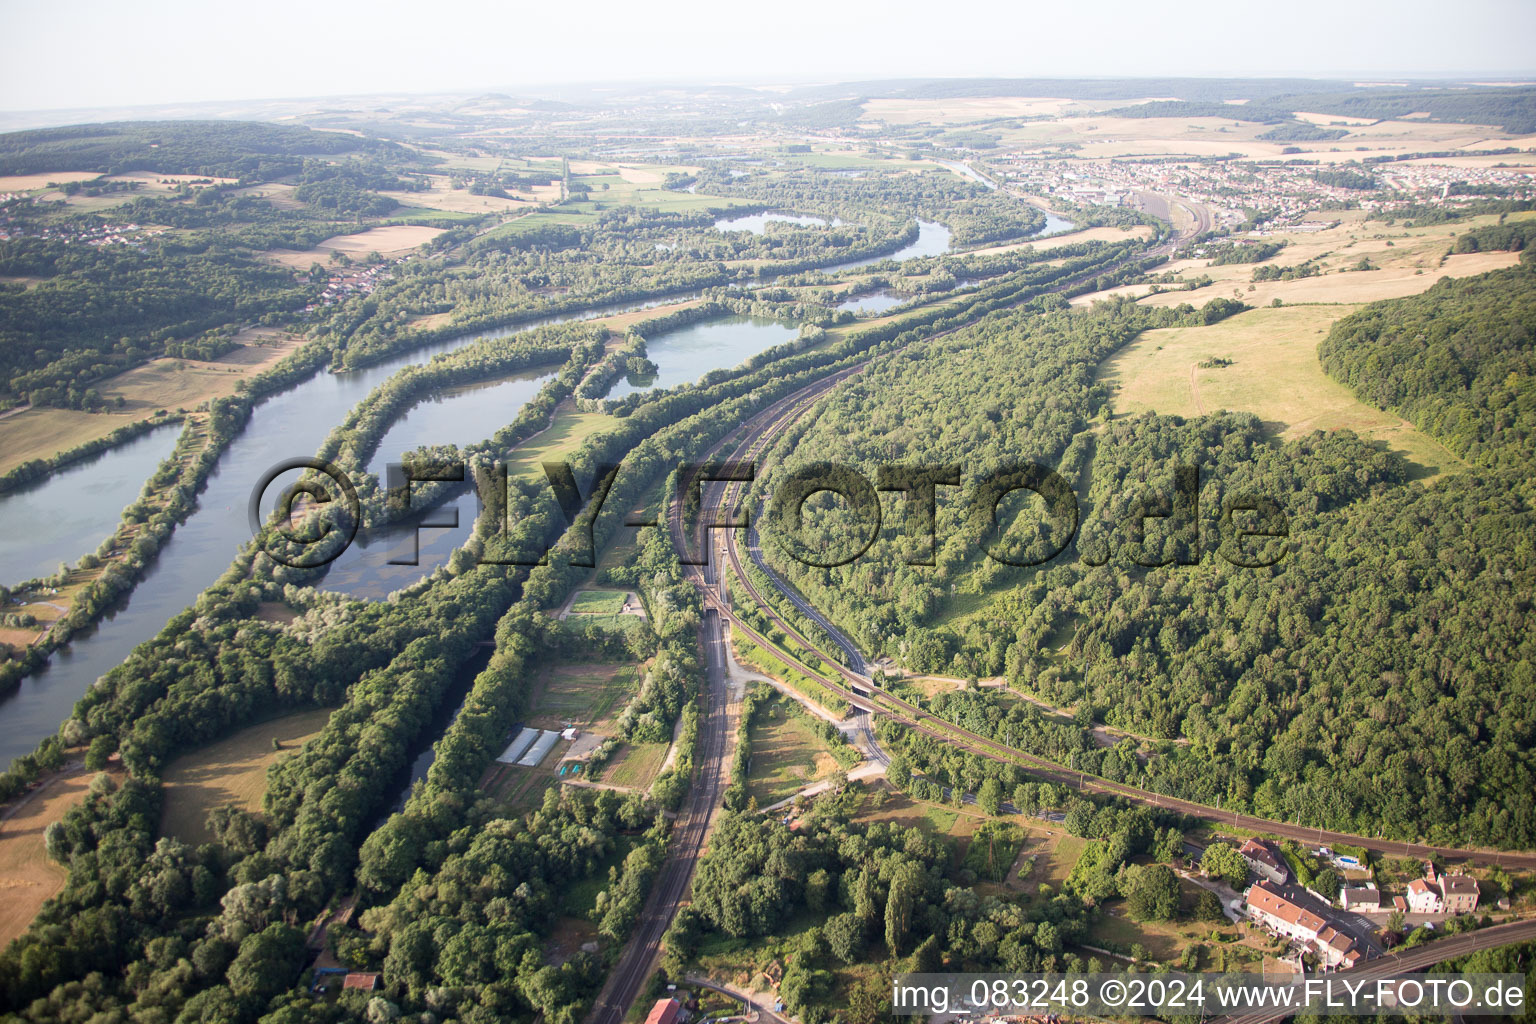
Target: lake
{"points": [[874, 302], [757, 223], [685, 354]]}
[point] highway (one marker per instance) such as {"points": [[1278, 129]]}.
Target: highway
{"points": [[1408, 961]]}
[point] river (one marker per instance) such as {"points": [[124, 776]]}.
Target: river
{"points": [[62, 516], [294, 423], [291, 423], [966, 171], [757, 223], [424, 751]]}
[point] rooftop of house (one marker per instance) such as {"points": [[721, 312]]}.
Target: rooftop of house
{"points": [[1255, 850], [664, 1012], [1270, 901]]}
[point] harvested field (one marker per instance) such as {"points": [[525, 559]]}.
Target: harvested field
{"points": [[28, 878], [386, 241], [38, 433], [32, 182], [1274, 374], [231, 771]]}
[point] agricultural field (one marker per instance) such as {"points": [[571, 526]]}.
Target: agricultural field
{"points": [[588, 696], [1274, 374], [170, 384], [187, 383], [1404, 261], [1103, 137], [27, 876], [232, 771], [36, 182], [394, 240], [443, 196], [787, 755], [518, 790], [150, 183], [37, 433], [635, 766], [964, 109]]}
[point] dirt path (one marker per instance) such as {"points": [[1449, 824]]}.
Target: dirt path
{"points": [[1194, 390]]}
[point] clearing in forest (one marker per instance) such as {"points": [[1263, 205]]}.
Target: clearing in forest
{"points": [[28, 878], [787, 755], [1273, 373], [230, 771]]}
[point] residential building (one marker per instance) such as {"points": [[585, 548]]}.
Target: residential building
{"points": [[664, 1012], [1283, 915], [1264, 861], [1442, 894], [1364, 899], [1459, 893], [1424, 898]]}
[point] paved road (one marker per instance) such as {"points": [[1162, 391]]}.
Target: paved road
{"points": [[752, 1006], [851, 654], [1408, 961]]}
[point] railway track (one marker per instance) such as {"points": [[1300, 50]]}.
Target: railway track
{"points": [[1406, 962], [688, 839], [859, 691], [748, 441]]}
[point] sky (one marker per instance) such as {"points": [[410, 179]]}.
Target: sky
{"points": [[104, 53]]}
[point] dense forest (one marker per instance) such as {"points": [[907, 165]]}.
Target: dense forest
{"points": [[1511, 108], [209, 933], [1302, 689], [1458, 361], [221, 149]]}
